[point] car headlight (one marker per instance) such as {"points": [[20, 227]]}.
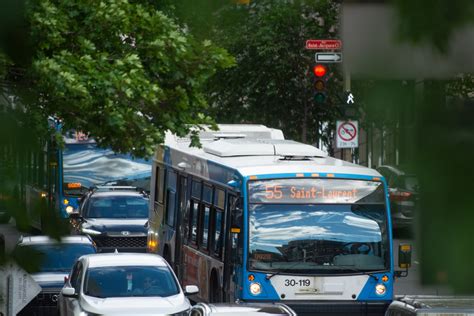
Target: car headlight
{"points": [[255, 288], [69, 209], [90, 231], [380, 289]]}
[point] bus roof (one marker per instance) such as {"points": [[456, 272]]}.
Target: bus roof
{"points": [[238, 149]]}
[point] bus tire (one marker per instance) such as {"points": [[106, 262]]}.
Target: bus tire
{"points": [[215, 291]]}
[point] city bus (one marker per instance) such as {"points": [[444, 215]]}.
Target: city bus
{"points": [[58, 175], [253, 217]]}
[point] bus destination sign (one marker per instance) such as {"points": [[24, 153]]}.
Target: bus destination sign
{"points": [[311, 190]]}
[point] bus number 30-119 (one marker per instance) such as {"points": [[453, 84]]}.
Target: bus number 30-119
{"points": [[293, 282]]}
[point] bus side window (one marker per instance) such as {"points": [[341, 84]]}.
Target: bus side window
{"points": [[196, 190], [171, 198], [159, 185], [204, 231], [193, 221], [218, 235], [217, 222]]}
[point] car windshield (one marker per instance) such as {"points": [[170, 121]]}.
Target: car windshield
{"points": [[117, 207], [120, 281], [59, 257], [86, 165], [326, 237]]}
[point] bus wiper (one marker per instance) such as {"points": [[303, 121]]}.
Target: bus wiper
{"points": [[269, 276], [371, 274]]}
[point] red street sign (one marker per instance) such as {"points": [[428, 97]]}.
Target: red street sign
{"points": [[323, 44]]}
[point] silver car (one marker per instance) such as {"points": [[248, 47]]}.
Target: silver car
{"points": [[123, 284]]}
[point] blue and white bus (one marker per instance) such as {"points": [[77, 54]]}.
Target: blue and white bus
{"points": [[62, 174], [251, 216]]}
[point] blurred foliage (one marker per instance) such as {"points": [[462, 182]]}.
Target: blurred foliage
{"points": [[445, 148], [29, 257], [122, 71], [272, 83], [433, 21]]}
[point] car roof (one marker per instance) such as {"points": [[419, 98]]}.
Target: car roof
{"points": [[124, 259], [41, 240], [439, 303]]}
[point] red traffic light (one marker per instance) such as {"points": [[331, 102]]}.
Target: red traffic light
{"points": [[319, 70]]}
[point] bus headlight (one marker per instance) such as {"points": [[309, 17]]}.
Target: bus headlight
{"points": [[380, 289], [255, 288], [69, 209]]}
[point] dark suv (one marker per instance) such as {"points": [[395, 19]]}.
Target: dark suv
{"points": [[404, 189], [114, 217]]}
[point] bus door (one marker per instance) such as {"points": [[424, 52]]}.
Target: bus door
{"points": [[233, 247]]}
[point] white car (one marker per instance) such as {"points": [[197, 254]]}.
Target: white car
{"points": [[115, 284]]}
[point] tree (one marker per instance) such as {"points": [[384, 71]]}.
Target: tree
{"points": [[120, 70], [272, 82]]}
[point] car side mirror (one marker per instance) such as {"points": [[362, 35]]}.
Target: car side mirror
{"points": [[68, 292], [191, 289], [404, 259]]}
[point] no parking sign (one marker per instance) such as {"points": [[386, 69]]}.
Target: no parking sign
{"points": [[347, 134]]}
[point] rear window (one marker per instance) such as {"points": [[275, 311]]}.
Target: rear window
{"points": [[117, 207]]}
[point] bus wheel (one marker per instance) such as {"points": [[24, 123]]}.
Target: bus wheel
{"points": [[215, 292]]}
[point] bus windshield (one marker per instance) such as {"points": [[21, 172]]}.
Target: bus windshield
{"points": [[86, 165], [319, 226]]}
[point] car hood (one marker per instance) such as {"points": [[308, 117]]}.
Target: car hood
{"points": [[135, 305], [50, 279], [107, 225]]}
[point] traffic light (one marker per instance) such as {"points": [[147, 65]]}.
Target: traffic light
{"points": [[320, 78]]}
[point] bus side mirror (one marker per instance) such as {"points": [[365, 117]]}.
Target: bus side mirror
{"points": [[404, 256], [404, 259]]}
